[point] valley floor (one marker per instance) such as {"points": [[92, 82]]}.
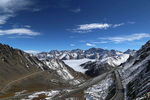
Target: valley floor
{"points": [[74, 90]]}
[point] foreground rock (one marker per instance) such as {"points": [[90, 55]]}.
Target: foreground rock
{"points": [[135, 74]]}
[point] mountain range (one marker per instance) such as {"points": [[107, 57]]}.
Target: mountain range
{"points": [[104, 59], [92, 53], [48, 75]]}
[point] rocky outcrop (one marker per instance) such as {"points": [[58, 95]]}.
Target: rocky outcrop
{"points": [[135, 73]]}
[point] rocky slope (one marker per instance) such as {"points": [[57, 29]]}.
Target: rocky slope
{"points": [[15, 63], [63, 70], [135, 73], [21, 71]]}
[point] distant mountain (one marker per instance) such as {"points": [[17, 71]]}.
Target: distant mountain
{"points": [[92, 53], [135, 74], [105, 59], [129, 51], [22, 71], [105, 63], [96, 68]]}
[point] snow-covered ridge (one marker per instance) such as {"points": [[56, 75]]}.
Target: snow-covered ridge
{"points": [[64, 71], [98, 66], [114, 60], [135, 73], [80, 65], [100, 90], [61, 69], [92, 53], [77, 57]]}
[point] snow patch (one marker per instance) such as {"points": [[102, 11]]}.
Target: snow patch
{"points": [[100, 90], [49, 94], [75, 64]]}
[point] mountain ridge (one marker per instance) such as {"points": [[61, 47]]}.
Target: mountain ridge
{"points": [[22, 71], [135, 73], [92, 53]]}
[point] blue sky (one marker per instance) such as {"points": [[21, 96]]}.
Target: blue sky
{"points": [[43, 25]]}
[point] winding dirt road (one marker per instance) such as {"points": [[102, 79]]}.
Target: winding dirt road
{"points": [[119, 88]]}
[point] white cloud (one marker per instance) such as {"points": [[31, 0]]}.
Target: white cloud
{"points": [[93, 26], [27, 26], [85, 28], [81, 31], [91, 45], [118, 25], [20, 36], [5, 17], [131, 22], [72, 45], [76, 10], [8, 8], [19, 31], [101, 42], [132, 37], [82, 41], [31, 51], [11, 6]]}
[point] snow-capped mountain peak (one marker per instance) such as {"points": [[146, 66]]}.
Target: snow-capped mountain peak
{"points": [[92, 53]]}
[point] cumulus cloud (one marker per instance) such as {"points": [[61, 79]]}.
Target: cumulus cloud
{"points": [[31, 51], [91, 45], [19, 31], [132, 37]]}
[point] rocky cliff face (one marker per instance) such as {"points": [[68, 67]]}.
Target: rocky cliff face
{"points": [[96, 68], [15, 63], [135, 73]]}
